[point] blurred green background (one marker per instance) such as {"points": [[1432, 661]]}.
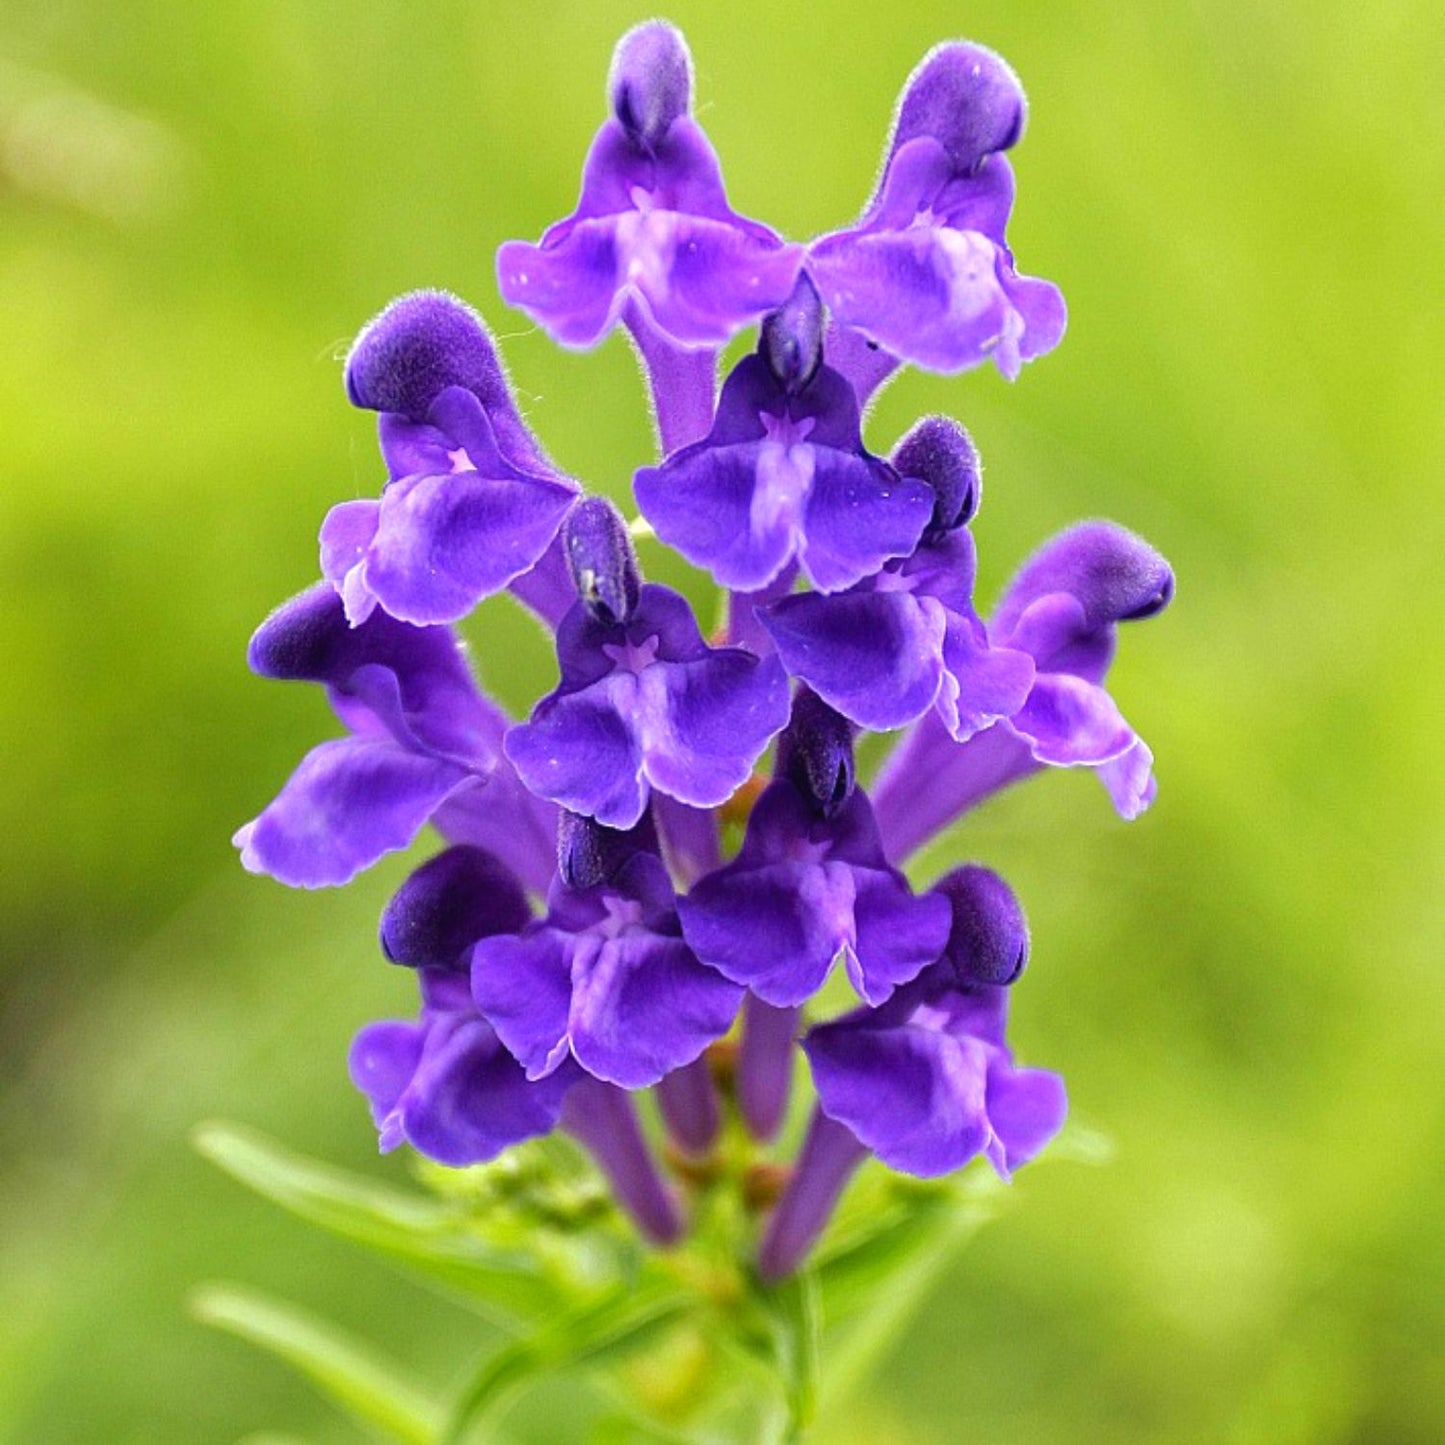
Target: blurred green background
{"points": [[199, 205]]}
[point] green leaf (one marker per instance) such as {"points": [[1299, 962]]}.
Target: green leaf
{"points": [[592, 1335], [870, 1288], [372, 1391], [794, 1310], [431, 1237]]}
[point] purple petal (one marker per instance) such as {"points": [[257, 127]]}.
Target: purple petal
{"points": [[522, 986], [570, 288], [447, 904], [1026, 1108], [702, 280], [1069, 722], [983, 683], [650, 82], [967, 99], [874, 656], [860, 513], [579, 751], [1129, 779], [415, 680], [642, 1005], [470, 1098], [349, 802], [419, 344], [775, 929], [704, 724], [383, 1059], [346, 534], [701, 503], [897, 935], [443, 543], [1114, 575], [915, 1096], [941, 298]]}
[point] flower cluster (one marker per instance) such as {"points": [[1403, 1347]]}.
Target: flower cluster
{"points": [[584, 934]]}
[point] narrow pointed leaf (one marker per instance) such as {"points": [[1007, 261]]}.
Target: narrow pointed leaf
{"points": [[610, 1327], [794, 1310], [431, 1237], [372, 1391]]}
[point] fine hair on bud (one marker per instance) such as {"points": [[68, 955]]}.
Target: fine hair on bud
{"points": [[791, 338], [601, 560], [988, 942], [938, 451], [815, 753], [650, 83], [967, 98]]}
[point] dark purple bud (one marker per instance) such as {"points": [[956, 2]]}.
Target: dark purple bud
{"points": [[939, 452], [791, 341], [650, 84], [447, 905], [989, 940], [1116, 576], [299, 641], [601, 560], [421, 344], [967, 98], [589, 854], [815, 753]]}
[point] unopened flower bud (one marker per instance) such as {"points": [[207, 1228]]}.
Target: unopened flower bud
{"points": [[989, 940], [815, 753], [967, 98], [939, 452], [421, 344], [447, 905], [601, 559], [792, 336], [589, 854], [650, 84]]}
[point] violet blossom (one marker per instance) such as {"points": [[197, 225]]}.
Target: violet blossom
{"points": [[605, 980], [906, 639], [812, 885], [652, 228], [643, 702], [926, 273], [420, 734], [784, 474], [1062, 609], [471, 502]]}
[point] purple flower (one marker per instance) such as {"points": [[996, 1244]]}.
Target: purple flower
{"points": [[783, 473], [926, 273], [804, 890], [420, 734], [907, 638], [927, 1080], [446, 1085], [652, 228], [606, 980], [646, 704], [471, 503], [1062, 609]]}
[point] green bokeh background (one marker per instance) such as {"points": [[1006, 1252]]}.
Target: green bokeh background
{"points": [[199, 204]]}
